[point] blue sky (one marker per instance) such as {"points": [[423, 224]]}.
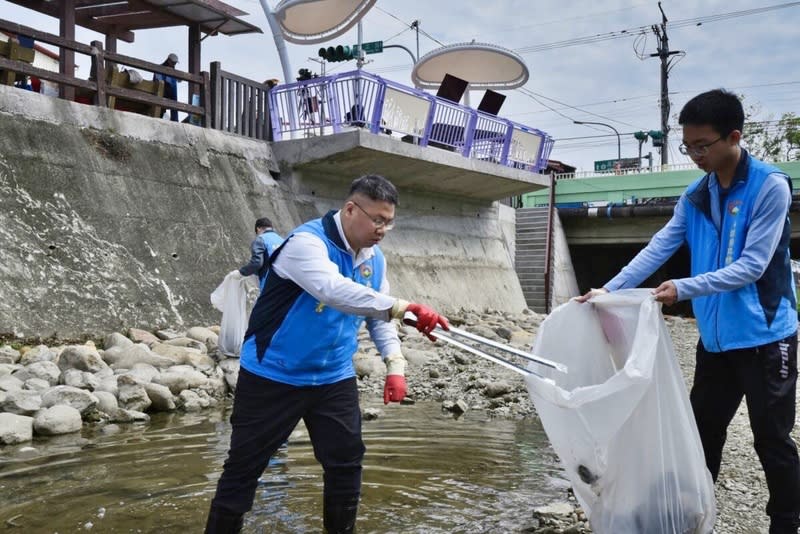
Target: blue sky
{"points": [[754, 55]]}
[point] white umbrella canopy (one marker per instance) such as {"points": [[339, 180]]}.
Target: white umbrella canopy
{"points": [[316, 21], [483, 65]]}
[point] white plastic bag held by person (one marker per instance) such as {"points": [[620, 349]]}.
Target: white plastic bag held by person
{"points": [[621, 421], [231, 299]]}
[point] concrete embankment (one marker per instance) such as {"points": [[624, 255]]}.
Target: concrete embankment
{"points": [[110, 220]]}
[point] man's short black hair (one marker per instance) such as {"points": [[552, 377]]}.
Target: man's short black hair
{"points": [[374, 187], [263, 222], [720, 109]]}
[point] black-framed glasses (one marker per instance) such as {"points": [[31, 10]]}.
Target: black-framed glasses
{"points": [[698, 150], [378, 222]]}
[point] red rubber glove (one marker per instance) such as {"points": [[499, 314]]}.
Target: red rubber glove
{"points": [[427, 319], [394, 389]]}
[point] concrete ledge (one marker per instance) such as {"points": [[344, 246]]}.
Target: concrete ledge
{"points": [[349, 154]]}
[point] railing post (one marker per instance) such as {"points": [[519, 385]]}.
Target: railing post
{"points": [[377, 113], [469, 133], [334, 109], [423, 141], [99, 68], [205, 100], [507, 145], [274, 115], [216, 95]]}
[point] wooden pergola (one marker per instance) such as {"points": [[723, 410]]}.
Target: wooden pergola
{"points": [[119, 19]]}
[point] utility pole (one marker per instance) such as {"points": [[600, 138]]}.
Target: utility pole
{"points": [[664, 53]]}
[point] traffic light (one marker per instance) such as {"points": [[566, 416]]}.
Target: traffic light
{"points": [[334, 54], [640, 136], [657, 136]]}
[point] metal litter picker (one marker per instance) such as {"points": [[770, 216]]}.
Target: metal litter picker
{"points": [[449, 336]]}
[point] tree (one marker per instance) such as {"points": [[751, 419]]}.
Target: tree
{"points": [[771, 140]]}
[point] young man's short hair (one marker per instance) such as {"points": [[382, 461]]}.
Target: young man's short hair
{"points": [[720, 109], [263, 222]]}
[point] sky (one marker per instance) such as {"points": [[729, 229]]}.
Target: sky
{"points": [[754, 55]]}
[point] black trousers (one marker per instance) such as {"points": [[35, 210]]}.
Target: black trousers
{"points": [[265, 413], [766, 376]]}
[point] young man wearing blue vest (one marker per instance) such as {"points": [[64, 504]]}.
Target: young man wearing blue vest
{"points": [[735, 221], [266, 242], [296, 361]]}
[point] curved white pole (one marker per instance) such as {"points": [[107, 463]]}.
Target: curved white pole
{"points": [[288, 75]]}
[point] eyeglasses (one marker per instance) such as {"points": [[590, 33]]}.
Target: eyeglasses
{"points": [[378, 222], [699, 150]]}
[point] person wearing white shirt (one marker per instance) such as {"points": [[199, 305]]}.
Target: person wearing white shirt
{"points": [[327, 277]]}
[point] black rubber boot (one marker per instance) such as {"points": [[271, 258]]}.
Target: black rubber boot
{"points": [[222, 521], [339, 515]]}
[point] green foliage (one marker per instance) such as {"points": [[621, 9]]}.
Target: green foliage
{"points": [[771, 140]]}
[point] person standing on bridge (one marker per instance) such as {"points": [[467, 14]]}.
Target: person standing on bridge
{"points": [[735, 220], [296, 361]]}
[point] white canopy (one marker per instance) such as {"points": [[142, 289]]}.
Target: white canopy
{"points": [[483, 65], [316, 21]]}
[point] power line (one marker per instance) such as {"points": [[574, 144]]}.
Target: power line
{"points": [[638, 30], [534, 96]]}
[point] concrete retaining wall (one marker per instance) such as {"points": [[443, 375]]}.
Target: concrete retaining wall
{"points": [[110, 220]]}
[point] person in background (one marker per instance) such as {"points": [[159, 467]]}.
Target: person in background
{"points": [[262, 247], [170, 84], [297, 358], [735, 220]]}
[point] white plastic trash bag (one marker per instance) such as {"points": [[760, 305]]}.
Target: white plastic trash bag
{"points": [[621, 421], [231, 299]]}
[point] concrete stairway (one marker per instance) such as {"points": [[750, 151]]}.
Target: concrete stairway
{"points": [[530, 255]]}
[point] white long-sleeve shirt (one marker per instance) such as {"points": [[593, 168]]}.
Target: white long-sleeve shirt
{"points": [[304, 260]]}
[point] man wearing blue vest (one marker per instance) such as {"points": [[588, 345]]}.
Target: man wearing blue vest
{"points": [[296, 361], [735, 221], [262, 247]]}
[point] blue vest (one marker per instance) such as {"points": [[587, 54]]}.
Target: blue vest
{"points": [[758, 313], [295, 339], [271, 242]]}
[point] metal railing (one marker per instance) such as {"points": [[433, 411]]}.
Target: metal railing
{"points": [[623, 172], [358, 99]]}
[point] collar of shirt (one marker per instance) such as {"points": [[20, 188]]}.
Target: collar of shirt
{"points": [[363, 255], [739, 175]]}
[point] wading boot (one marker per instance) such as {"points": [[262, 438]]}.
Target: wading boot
{"points": [[339, 515], [222, 521]]}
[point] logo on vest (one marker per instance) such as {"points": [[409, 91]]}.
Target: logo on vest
{"points": [[366, 271], [734, 207], [320, 307]]}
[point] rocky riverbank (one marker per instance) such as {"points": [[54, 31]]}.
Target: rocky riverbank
{"points": [[54, 389]]}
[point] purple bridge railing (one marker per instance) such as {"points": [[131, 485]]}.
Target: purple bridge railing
{"points": [[337, 103]]}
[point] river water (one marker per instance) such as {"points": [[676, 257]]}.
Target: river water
{"points": [[424, 472]]}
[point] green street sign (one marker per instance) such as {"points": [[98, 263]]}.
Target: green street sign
{"points": [[373, 47]]}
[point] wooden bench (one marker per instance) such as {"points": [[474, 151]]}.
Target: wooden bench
{"points": [[13, 50], [122, 79]]}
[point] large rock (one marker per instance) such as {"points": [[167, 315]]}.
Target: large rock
{"points": [[106, 402], [121, 415], [40, 353], [80, 399], [368, 365], [21, 402], [37, 384], [109, 385], [181, 377], [134, 397], [140, 373], [142, 336], [10, 383], [9, 354], [15, 428], [58, 419], [187, 342], [497, 388], [8, 368], [117, 340], [204, 335], [161, 398], [184, 355], [418, 358], [129, 357], [82, 358], [45, 370], [80, 379], [190, 401]]}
